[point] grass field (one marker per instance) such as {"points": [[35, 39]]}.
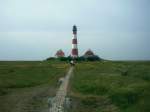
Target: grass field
{"points": [[25, 86], [107, 86], [111, 87]]}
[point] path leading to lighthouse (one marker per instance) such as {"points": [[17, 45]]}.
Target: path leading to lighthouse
{"points": [[57, 104]]}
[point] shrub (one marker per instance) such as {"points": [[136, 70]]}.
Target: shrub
{"points": [[81, 58], [63, 58], [92, 58], [50, 58]]}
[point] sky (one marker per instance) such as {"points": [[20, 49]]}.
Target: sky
{"points": [[36, 29]]}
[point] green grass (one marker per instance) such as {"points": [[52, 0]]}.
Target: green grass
{"points": [[111, 87], [29, 74], [95, 86], [25, 86]]}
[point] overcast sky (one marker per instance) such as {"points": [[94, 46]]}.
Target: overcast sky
{"points": [[36, 29]]}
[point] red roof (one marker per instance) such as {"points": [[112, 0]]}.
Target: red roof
{"points": [[89, 53], [60, 53]]}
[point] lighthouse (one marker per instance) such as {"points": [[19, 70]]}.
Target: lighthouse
{"points": [[74, 52]]}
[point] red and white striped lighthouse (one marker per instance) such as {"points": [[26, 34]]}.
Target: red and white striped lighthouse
{"points": [[74, 43]]}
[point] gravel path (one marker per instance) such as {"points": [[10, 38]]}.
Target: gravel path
{"points": [[59, 99]]}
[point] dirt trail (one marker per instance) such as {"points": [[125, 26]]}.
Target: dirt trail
{"points": [[59, 99]]}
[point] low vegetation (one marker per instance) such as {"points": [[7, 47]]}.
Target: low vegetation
{"points": [[99, 86], [111, 87], [24, 85], [78, 59]]}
